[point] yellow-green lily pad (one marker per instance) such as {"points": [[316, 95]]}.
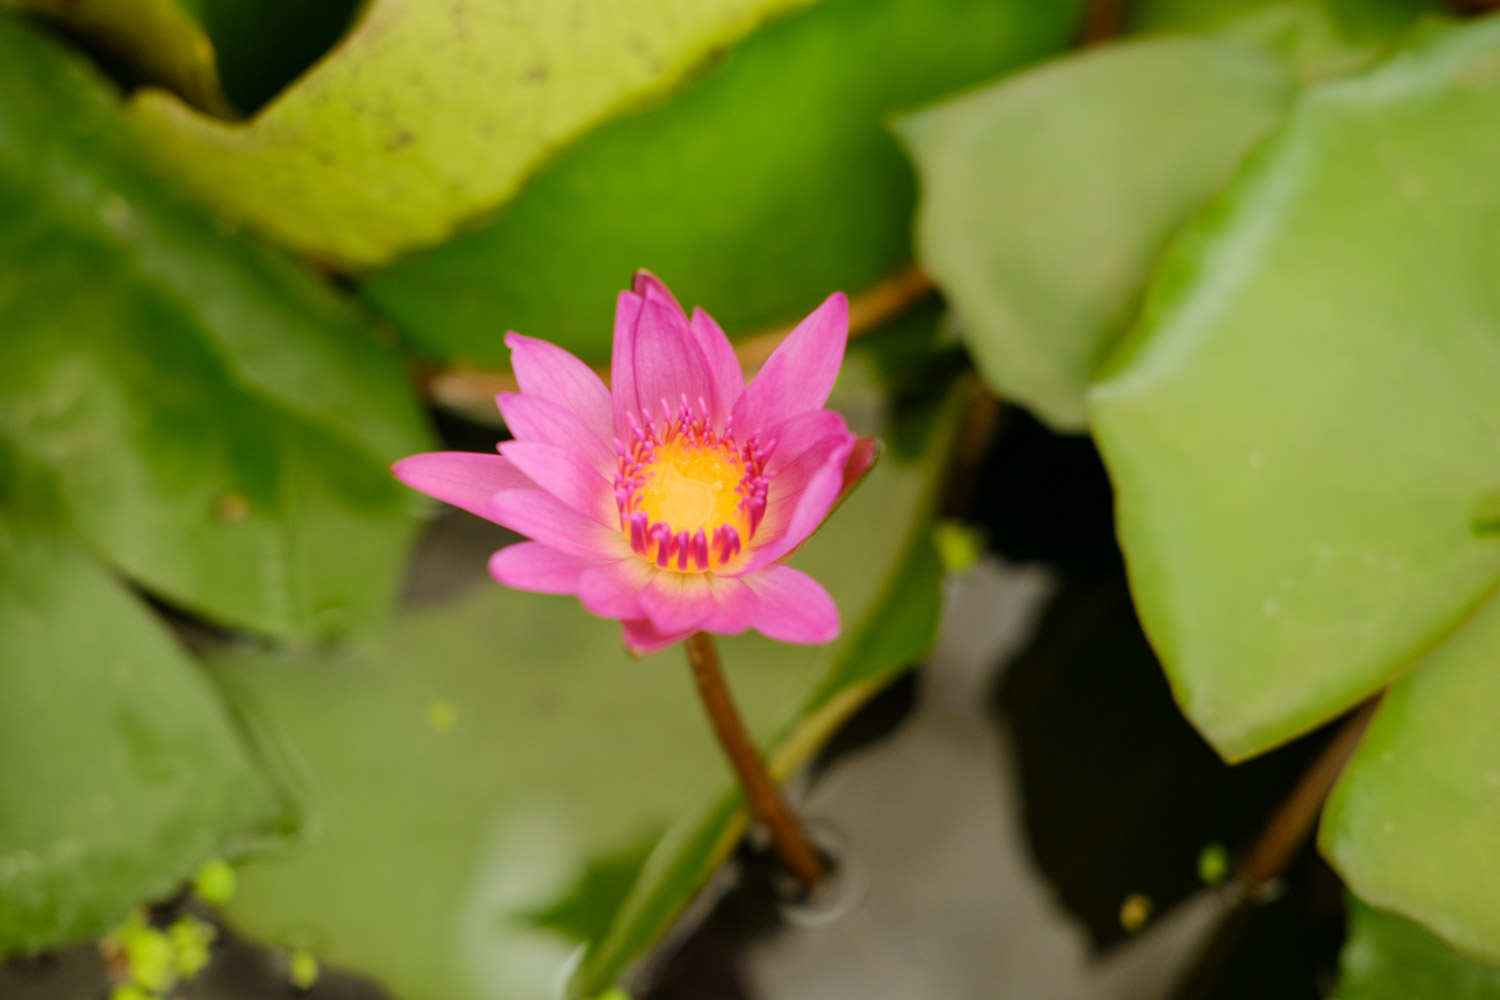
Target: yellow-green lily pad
{"points": [[427, 114], [1301, 430]]}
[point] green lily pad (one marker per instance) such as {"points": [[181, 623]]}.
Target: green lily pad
{"points": [[459, 863], [123, 771], [767, 183], [1413, 823], [1042, 252], [208, 417], [426, 114], [1301, 425], [1387, 958]]}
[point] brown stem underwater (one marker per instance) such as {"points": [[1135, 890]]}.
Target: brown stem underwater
{"points": [[1278, 846], [1293, 823], [1103, 20], [760, 792]]}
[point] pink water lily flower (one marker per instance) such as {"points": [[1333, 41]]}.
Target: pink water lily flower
{"points": [[671, 500]]}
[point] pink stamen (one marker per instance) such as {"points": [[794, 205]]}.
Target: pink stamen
{"points": [[666, 542], [727, 541], [756, 510]]}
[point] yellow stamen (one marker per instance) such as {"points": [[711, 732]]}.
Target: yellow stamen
{"points": [[691, 487]]}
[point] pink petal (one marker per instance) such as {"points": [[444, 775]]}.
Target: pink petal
{"points": [[735, 606], [800, 374], [465, 479], [642, 638], [567, 477], [548, 371], [533, 418], [533, 566], [628, 307], [647, 285], [540, 515], [862, 459], [803, 442], [614, 590], [805, 445], [793, 606], [723, 366], [675, 602], [779, 534], [666, 364]]}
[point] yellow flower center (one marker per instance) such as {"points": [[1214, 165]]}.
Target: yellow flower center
{"points": [[694, 488], [689, 499]]}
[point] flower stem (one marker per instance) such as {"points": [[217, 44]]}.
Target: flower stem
{"points": [[760, 792]]}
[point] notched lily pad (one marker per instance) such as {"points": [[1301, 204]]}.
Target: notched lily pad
{"points": [[1047, 197], [427, 114], [1294, 539], [768, 182]]}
